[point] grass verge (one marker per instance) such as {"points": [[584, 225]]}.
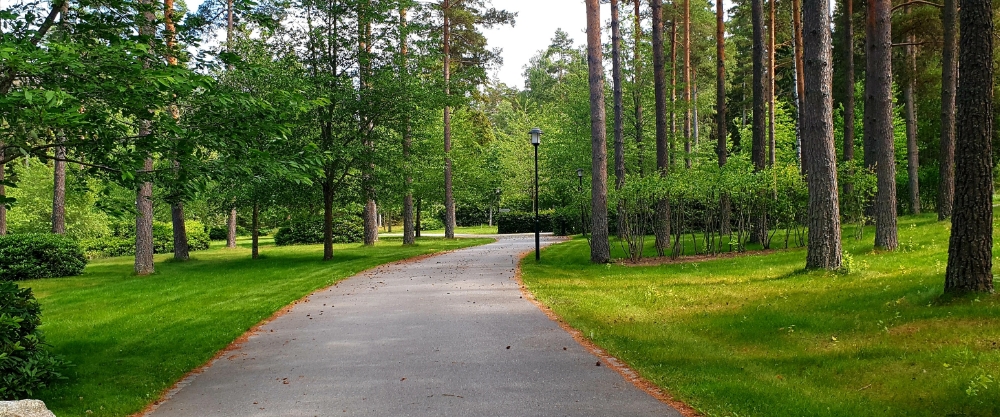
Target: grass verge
{"points": [[131, 337], [757, 335]]}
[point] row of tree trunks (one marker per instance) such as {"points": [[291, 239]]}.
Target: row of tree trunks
{"points": [[970, 250], [819, 155], [880, 154], [661, 228], [600, 248]]}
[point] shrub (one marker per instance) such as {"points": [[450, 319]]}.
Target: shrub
{"points": [[431, 223], [163, 237], [25, 365], [109, 246], [522, 222], [31, 256], [346, 229], [219, 233]]}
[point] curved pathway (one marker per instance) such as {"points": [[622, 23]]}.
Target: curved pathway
{"points": [[448, 335]]}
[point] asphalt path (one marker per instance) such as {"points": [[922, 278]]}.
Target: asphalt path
{"points": [[447, 335]]}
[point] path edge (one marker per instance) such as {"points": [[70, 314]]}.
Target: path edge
{"points": [[617, 365], [236, 344]]}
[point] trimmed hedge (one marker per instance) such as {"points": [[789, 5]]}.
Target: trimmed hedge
{"points": [[25, 365], [522, 222], [348, 229], [32, 256]]}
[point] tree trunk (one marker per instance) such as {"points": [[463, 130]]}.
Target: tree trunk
{"points": [[661, 228], [695, 132], [449, 199], [181, 248], [328, 216], [758, 151], [408, 232], [824, 249], [182, 251], [231, 229], [371, 223], [417, 226], [673, 84], [771, 144], [637, 89], [616, 79], [255, 233], [687, 83], [880, 148], [3, 191], [970, 250], [912, 152], [600, 249], [800, 83], [949, 75], [849, 80], [722, 146], [59, 190], [144, 218]]}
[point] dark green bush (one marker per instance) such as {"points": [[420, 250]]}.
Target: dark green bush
{"points": [[346, 229], [222, 233], [25, 365], [106, 247], [431, 223], [31, 256], [163, 237], [522, 222]]}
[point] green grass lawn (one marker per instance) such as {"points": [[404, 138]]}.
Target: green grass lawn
{"points": [[756, 335], [461, 230], [131, 337]]}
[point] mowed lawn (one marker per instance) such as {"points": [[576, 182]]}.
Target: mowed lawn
{"points": [[131, 337], [758, 336]]}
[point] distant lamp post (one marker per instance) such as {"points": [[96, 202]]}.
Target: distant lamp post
{"points": [[583, 214], [536, 139]]}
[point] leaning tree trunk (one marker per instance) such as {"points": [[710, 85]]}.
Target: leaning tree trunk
{"points": [[722, 146], [637, 89], [59, 190], [600, 249], [879, 135], [449, 199], [912, 152], [758, 146], [949, 75], [817, 131], [231, 229], [661, 228], [970, 250]]}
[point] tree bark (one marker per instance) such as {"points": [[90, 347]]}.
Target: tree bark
{"points": [[449, 199], [417, 226], [673, 84], [824, 249], [849, 81], [59, 190], [600, 249], [182, 251], [949, 77], [328, 216], [3, 191], [687, 83], [970, 250], [879, 138], [771, 144], [231, 229], [255, 233], [912, 151], [722, 137], [408, 224], [616, 79], [759, 143], [144, 218], [637, 89], [661, 228], [800, 83]]}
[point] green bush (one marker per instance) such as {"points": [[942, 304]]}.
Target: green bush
{"points": [[431, 223], [222, 233], [31, 256], [106, 247], [522, 222], [163, 241], [25, 365], [346, 229]]}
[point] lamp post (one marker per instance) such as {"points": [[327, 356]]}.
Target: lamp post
{"points": [[583, 214], [536, 139]]}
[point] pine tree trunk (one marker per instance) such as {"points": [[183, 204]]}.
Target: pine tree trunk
{"points": [[849, 81], [879, 139], [695, 132], [3, 191], [600, 249], [328, 216], [661, 228], [371, 223], [687, 83], [59, 190], [408, 224], [255, 233], [449, 199], [970, 250], [231, 229], [824, 249], [722, 137], [673, 85], [949, 78], [181, 248], [144, 218], [912, 152], [800, 83], [771, 144], [637, 90], [616, 79], [758, 147], [417, 226]]}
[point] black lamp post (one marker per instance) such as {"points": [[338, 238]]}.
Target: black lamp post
{"points": [[583, 214], [536, 139]]}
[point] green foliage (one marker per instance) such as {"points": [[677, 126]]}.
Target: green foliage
{"points": [[32, 213], [857, 186], [25, 364], [108, 246], [523, 222], [163, 237], [431, 223], [31, 256], [346, 229]]}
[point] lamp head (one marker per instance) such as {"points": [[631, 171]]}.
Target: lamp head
{"points": [[579, 172], [536, 136]]}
